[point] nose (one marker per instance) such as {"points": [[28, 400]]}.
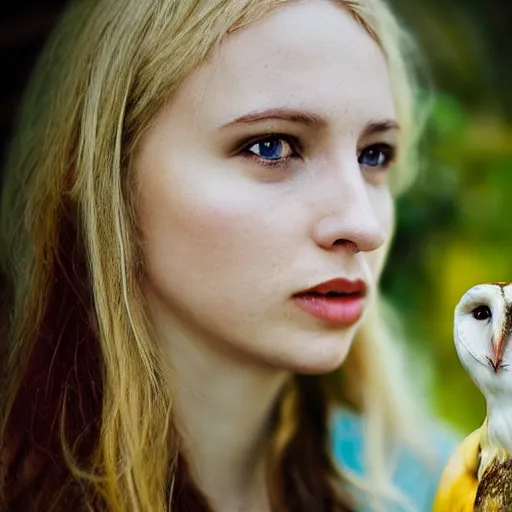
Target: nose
{"points": [[352, 222]]}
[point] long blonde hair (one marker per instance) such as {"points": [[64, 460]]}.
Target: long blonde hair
{"points": [[84, 387]]}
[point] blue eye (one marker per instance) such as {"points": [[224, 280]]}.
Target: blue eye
{"points": [[378, 155], [273, 148]]}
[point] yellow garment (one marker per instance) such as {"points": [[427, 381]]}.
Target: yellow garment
{"points": [[458, 484]]}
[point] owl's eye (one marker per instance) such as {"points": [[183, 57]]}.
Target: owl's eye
{"points": [[482, 313]]}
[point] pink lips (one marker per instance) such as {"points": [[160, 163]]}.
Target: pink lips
{"points": [[337, 301]]}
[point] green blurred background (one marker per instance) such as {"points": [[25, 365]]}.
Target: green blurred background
{"points": [[454, 226]]}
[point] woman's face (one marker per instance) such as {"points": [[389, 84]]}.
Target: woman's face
{"points": [[266, 176]]}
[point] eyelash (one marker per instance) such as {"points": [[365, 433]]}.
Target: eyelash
{"points": [[387, 150], [270, 137]]}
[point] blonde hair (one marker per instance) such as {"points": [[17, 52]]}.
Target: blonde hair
{"points": [[81, 355]]}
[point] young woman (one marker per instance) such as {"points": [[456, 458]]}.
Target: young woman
{"points": [[196, 211]]}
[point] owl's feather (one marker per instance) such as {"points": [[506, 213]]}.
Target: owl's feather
{"points": [[458, 484], [494, 493], [478, 477]]}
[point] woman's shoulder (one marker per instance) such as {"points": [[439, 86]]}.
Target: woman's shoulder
{"points": [[416, 478]]}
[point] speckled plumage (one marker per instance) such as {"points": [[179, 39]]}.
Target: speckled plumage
{"points": [[494, 492]]}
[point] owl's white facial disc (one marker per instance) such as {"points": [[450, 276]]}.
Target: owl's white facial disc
{"points": [[480, 317]]}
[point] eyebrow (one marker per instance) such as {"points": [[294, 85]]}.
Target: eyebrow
{"points": [[306, 118], [283, 114], [380, 126]]}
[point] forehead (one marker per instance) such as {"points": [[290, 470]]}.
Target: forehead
{"points": [[310, 55]]}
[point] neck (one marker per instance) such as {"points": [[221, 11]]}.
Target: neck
{"points": [[499, 426], [224, 418], [222, 409]]}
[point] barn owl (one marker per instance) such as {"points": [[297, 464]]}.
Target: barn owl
{"points": [[478, 477]]}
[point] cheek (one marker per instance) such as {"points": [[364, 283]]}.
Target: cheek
{"points": [[384, 207], [214, 236], [384, 210]]}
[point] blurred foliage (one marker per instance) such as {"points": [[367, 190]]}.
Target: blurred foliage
{"points": [[454, 227]]}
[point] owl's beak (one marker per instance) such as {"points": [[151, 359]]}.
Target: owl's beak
{"points": [[498, 346]]}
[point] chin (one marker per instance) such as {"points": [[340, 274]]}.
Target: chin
{"points": [[321, 368], [319, 355]]}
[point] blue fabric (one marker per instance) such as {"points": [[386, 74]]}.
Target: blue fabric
{"points": [[417, 481]]}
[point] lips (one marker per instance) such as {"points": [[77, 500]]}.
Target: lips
{"points": [[338, 301], [338, 287]]}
